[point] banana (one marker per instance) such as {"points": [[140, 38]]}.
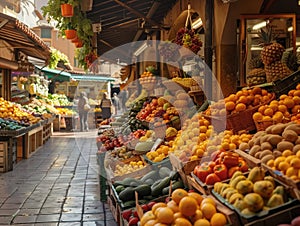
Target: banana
{"points": [[236, 180], [217, 187], [236, 174], [235, 197], [225, 191], [224, 186], [230, 193]]}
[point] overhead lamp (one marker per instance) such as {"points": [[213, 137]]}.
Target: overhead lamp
{"points": [[259, 25], [197, 23], [290, 28], [141, 49]]}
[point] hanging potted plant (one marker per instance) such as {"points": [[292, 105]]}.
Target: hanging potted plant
{"points": [[67, 10], [70, 32]]}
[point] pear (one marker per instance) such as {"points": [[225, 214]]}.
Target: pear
{"points": [[275, 200], [256, 174]]}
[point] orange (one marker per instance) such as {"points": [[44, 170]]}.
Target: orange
{"points": [[196, 196], [283, 166], [268, 111], [177, 215], [230, 105], [289, 102], [274, 107], [257, 116], [256, 90], [146, 217], [296, 93], [298, 87], [296, 99], [208, 200], [296, 108], [188, 206], [182, 222], [150, 223], [261, 109], [291, 171], [240, 107], [202, 222], [165, 215], [243, 99], [173, 206], [198, 215], [157, 205], [208, 210], [178, 194], [283, 96], [218, 219], [287, 153], [160, 224], [278, 116]]}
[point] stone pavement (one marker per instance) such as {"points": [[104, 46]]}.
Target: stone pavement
{"points": [[57, 186]]}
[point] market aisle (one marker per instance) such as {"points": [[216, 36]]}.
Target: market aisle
{"points": [[57, 185]]}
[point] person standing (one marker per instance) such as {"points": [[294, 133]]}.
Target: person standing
{"points": [[83, 109], [105, 107], [116, 102]]}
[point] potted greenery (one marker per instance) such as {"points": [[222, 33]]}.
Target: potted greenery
{"points": [[78, 22]]}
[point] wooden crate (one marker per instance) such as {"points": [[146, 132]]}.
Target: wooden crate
{"points": [[33, 140], [47, 132], [3, 156], [56, 123], [114, 208]]}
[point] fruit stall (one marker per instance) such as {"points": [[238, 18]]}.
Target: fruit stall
{"points": [[172, 160]]}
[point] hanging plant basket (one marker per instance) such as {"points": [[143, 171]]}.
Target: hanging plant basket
{"points": [[74, 40], [78, 44], [70, 34], [67, 10]]}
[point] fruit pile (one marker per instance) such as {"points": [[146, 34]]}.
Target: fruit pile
{"points": [[240, 101], [276, 140], [184, 208], [147, 79], [189, 39], [66, 111], [9, 110], [223, 165], [281, 110], [288, 164], [253, 193], [122, 169]]}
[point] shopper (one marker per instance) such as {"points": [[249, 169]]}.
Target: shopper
{"points": [[116, 102], [105, 107], [83, 109]]}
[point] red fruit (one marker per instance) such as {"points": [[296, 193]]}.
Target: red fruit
{"points": [[135, 214], [150, 204], [126, 214], [133, 221], [144, 207]]}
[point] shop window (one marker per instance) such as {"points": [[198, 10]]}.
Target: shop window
{"points": [[46, 32]]}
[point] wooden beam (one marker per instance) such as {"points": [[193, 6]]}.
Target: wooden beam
{"points": [[5, 21], [139, 14]]}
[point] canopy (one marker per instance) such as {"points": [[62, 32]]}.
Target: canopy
{"points": [[88, 77], [58, 75]]}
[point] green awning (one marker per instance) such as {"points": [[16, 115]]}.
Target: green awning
{"points": [[81, 77], [56, 74]]}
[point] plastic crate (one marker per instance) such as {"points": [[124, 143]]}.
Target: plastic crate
{"points": [[283, 86]]}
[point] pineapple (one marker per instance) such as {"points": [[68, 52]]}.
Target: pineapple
{"points": [[276, 70], [272, 51], [292, 60], [257, 74], [271, 56]]}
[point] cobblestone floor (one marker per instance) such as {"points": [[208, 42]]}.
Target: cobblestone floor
{"points": [[57, 186]]}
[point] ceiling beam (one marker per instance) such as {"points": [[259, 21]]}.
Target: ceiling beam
{"points": [[139, 14], [149, 15], [5, 21]]}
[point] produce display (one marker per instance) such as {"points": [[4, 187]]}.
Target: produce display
{"points": [[66, 111], [11, 111], [239, 102], [56, 100], [222, 166], [251, 175], [252, 193]]}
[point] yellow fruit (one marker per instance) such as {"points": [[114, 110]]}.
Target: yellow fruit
{"points": [[218, 219], [278, 160], [287, 153], [295, 162], [291, 171], [164, 215], [283, 166], [202, 222], [208, 210], [270, 163], [188, 206]]}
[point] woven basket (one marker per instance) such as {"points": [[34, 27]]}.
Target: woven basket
{"points": [[263, 125]]}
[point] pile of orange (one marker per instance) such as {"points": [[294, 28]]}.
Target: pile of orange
{"points": [[286, 108], [240, 101], [184, 209]]}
